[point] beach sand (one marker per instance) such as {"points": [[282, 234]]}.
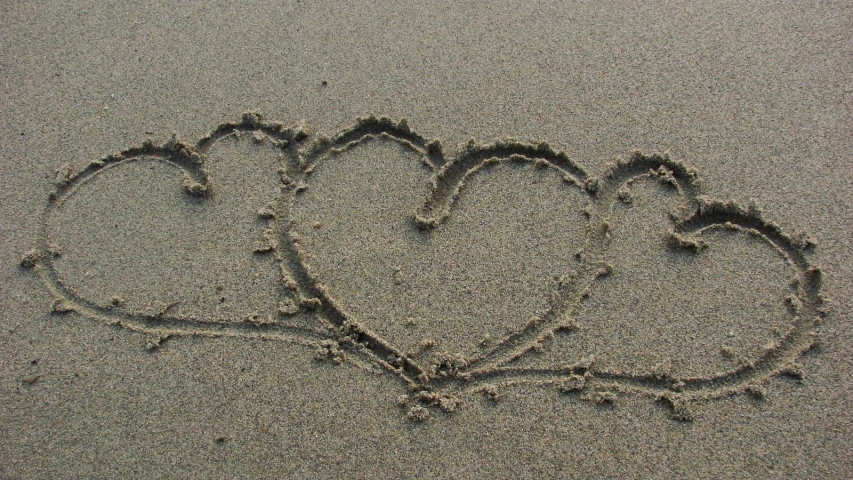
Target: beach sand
{"points": [[496, 240]]}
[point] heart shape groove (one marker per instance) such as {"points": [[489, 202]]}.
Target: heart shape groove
{"points": [[506, 264]]}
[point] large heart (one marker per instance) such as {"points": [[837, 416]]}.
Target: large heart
{"points": [[458, 288], [643, 295], [507, 263]]}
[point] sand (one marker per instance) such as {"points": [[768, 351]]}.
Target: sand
{"points": [[287, 241]]}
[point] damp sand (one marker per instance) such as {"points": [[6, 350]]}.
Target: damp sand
{"points": [[650, 285]]}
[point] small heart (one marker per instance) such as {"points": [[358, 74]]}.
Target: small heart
{"points": [[134, 239], [665, 309]]}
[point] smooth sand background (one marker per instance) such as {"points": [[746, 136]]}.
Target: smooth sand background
{"points": [[756, 97]]}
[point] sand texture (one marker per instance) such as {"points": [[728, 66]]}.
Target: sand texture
{"points": [[496, 240]]}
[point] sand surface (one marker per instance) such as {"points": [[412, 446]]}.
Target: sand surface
{"points": [[638, 268]]}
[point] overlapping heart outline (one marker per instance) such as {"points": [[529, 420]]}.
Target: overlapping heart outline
{"points": [[338, 335]]}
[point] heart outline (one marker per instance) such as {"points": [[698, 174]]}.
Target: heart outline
{"points": [[341, 332]]}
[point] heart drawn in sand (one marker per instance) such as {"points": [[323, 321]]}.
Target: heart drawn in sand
{"points": [[506, 264]]}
